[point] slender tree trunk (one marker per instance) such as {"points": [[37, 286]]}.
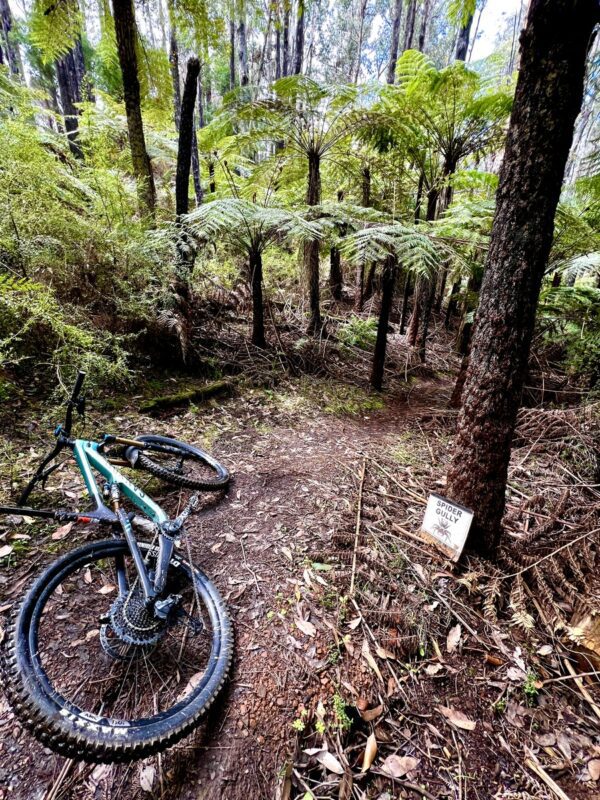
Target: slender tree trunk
{"points": [[277, 54], [336, 277], [258, 320], [451, 307], [554, 43], [424, 24], [243, 53], [174, 62], [299, 48], [395, 43], [405, 297], [231, 54], [285, 62], [311, 248], [361, 31], [67, 75], [419, 321], [186, 138], [9, 48], [426, 295], [462, 44], [263, 54], [359, 290], [388, 280], [196, 171], [370, 281], [410, 24], [126, 37]]}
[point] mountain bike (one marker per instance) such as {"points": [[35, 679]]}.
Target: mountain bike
{"points": [[120, 646]]}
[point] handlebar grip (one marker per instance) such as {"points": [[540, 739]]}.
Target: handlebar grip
{"points": [[78, 384]]}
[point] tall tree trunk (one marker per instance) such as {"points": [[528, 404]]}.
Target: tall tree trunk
{"points": [[360, 269], [299, 48], [9, 48], [554, 43], [370, 281], [405, 296], [67, 75], [243, 53], [424, 24], [395, 43], [424, 294], [361, 32], [186, 138], [277, 54], [196, 172], [409, 31], [174, 62], [451, 307], [258, 320], [285, 60], [462, 44], [125, 31], [336, 277], [388, 280], [231, 54], [263, 53], [311, 248]]}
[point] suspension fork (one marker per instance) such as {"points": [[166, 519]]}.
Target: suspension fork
{"points": [[151, 589]]}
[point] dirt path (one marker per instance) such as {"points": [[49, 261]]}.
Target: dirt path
{"points": [[294, 468]]}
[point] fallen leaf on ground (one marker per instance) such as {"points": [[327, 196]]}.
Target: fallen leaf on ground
{"points": [[453, 639], [433, 669], [370, 753], [457, 718], [398, 766], [386, 654], [6, 550], [329, 761], [61, 532], [545, 739], [366, 652], [370, 714], [305, 626], [191, 685], [354, 623], [594, 768], [147, 775]]}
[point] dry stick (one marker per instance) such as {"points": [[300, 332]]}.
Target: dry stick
{"points": [[414, 495], [357, 532], [56, 786], [543, 775], [570, 677], [581, 687]]}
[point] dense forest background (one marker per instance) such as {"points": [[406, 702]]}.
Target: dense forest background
{"points": [[322, 139]]}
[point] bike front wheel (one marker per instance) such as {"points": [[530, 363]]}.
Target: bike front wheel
{"points": [[178, 463], [94, 675]]}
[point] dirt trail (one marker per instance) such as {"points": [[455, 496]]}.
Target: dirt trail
{"points": [[293, 488]]}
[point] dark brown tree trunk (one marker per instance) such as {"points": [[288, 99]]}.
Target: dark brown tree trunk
{"points": [[359, 289], [311, 248], [409, 31], [370, 281], [424, 295], [69, 87], [258, 320], [186, 138], [277, 53], [554, 43], [212, 182], [196, 172], [388, 280], [463, 336], [459, 385], [125, 31], [395, 43], [9, 48], [451, 307], [299, 48], [336, 277], [424, 23], [231, 54], [462, 44], [243, 54], [285, 60]]}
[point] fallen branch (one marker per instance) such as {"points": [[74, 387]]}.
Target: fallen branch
{"points": [[199, 393]]}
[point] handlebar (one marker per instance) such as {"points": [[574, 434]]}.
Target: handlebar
{"points": [[73, 402]]}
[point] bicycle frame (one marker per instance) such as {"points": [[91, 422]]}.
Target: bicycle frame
{"points": [[88, 458]]}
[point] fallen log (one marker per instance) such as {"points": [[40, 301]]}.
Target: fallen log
{"points": [[195, 394]]}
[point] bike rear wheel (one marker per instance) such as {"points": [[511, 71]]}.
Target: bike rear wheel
{"points": [[178, 463], [95, 676]]}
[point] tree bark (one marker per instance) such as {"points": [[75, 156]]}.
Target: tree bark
{"points": [[462, 45], [186, 138], [311, 248], [388, 280], [299, 48], [360, 270], [405, 296], [336, 277], [419, 322], [174, 63], [243, 53], [285, 61], [125, 31], [361, 30], [410, 25], [258, 319], [395, 43], [231, 54], [424, 24], [69, 87], [277, 54], [451, 307], [548, 97], [9, 48]]}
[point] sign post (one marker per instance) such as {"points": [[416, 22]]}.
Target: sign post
{"points": [[446, 525]]}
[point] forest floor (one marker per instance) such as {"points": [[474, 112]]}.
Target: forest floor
{"points": [[425, 681]]}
